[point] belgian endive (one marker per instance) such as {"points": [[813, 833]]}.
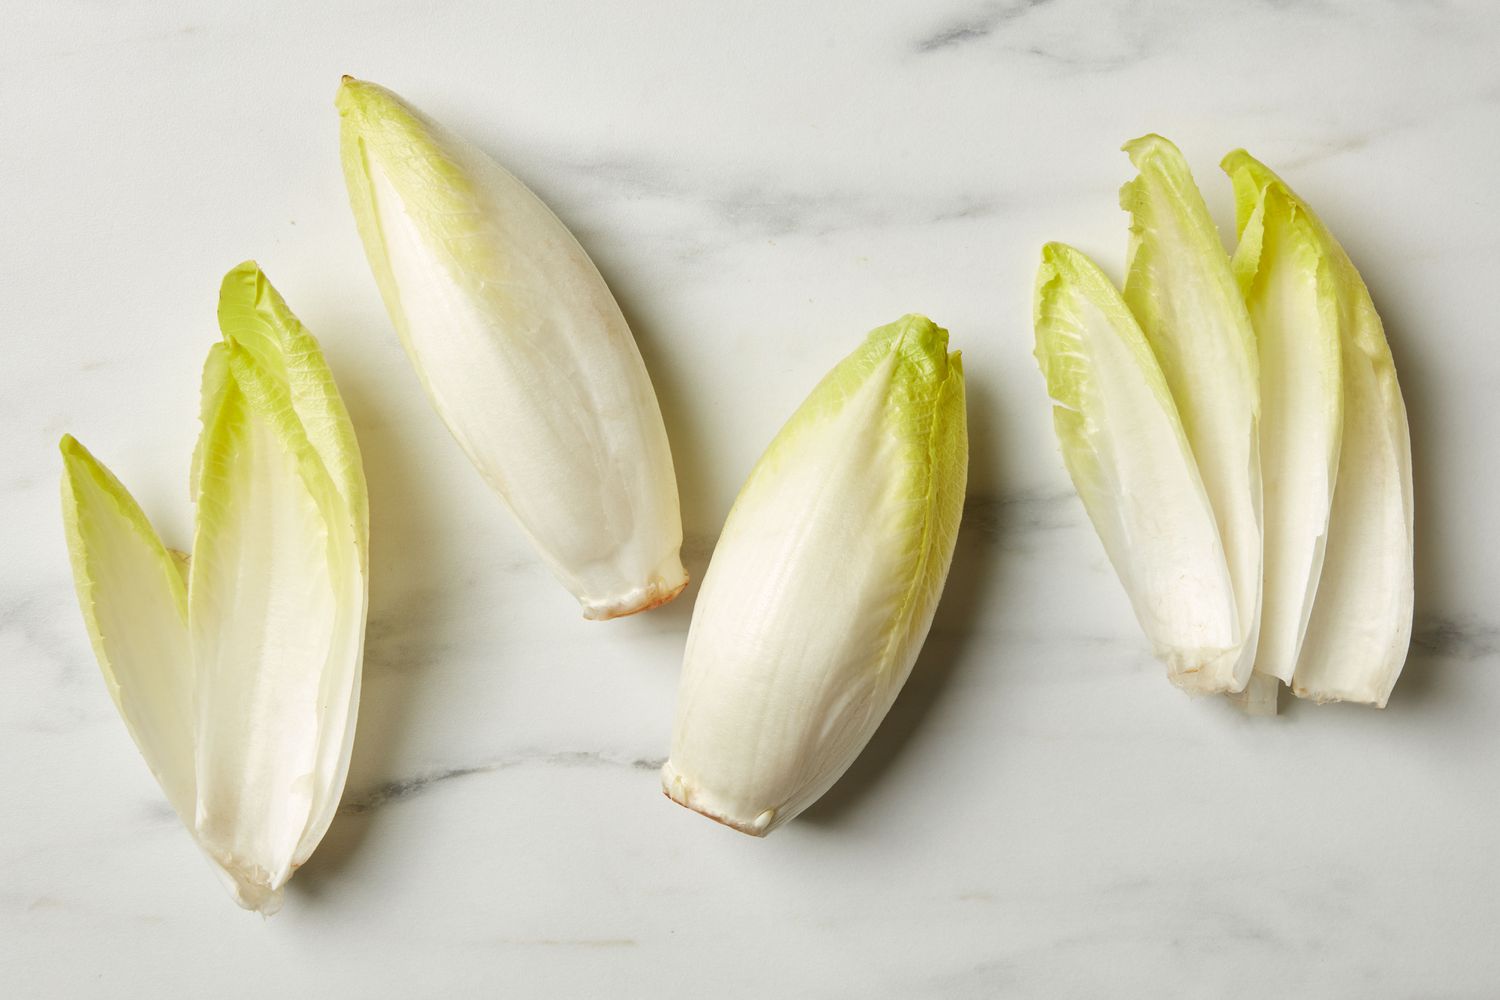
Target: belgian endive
{"points": [[237, 670], [1289, 286], [1343, 604], [823, 584], [1129, 457], [522, 350], [1182, 290]]}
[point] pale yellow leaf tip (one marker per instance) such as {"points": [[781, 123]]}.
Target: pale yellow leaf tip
{"points": [[1149, 143], [71, 449], [355, 95]]}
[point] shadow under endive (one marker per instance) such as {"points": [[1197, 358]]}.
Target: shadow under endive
{"points": [[1442, 643], [407, 628], [408, 621], [1434, 632], [690, 450]]}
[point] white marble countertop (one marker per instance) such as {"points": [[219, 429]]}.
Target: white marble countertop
{"points": [[1042, 814]]}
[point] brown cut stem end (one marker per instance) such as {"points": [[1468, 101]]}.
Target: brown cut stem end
{"points": [[745, 828], [650, 604]]}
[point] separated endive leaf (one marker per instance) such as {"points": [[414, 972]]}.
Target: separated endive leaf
{"points": [[1130, 461], [252, 738], [522, 350], [253, 315], [1360, 624], [823, 584], [1290, 291], [134, 602], [1182, 291]]}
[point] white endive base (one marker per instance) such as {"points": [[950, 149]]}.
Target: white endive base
{"points": [[249, 894], [676, 786], [643, 598]]}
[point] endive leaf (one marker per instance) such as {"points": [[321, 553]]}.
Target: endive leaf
{"points": [[1130, 461], [135, 607], [1289, 288], [823, 584], [522, 350], [241, 687], [214, 382], [253, 315], [1181, 288], [1360, 625], [276, 604]]}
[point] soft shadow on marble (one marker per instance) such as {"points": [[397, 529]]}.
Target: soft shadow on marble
{"points": [[412, 609]]}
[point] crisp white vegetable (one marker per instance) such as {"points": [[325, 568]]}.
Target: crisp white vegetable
{"points": [[1182, 291], [823, 584], [1359, 627], [522, 350], [1131, 463], [1289, 288], [240, 683], [134, 598]]}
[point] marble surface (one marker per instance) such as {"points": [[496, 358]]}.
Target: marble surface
{"points": [[1041, 815]]}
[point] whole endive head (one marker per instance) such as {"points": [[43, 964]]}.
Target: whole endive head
{"points": [[522, 350], [824, 583], [237, 669]]}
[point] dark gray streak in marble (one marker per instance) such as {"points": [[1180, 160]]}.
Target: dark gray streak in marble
{"points": [[403, 788], [999, 520], [1456, 638], [1125, 38], [975, 26], [406, 787]]}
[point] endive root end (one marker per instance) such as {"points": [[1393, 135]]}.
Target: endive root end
{"points": [[652, 595], [251, 889], [675, 787]]}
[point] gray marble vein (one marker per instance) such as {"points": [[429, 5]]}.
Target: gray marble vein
{"points": [[973, 27], [1457, 638], [724, 208], [404, 788]]}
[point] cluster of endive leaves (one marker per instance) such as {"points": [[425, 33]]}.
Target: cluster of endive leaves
{"points": [[237, 669], [1235, 430], [824, 582]]}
